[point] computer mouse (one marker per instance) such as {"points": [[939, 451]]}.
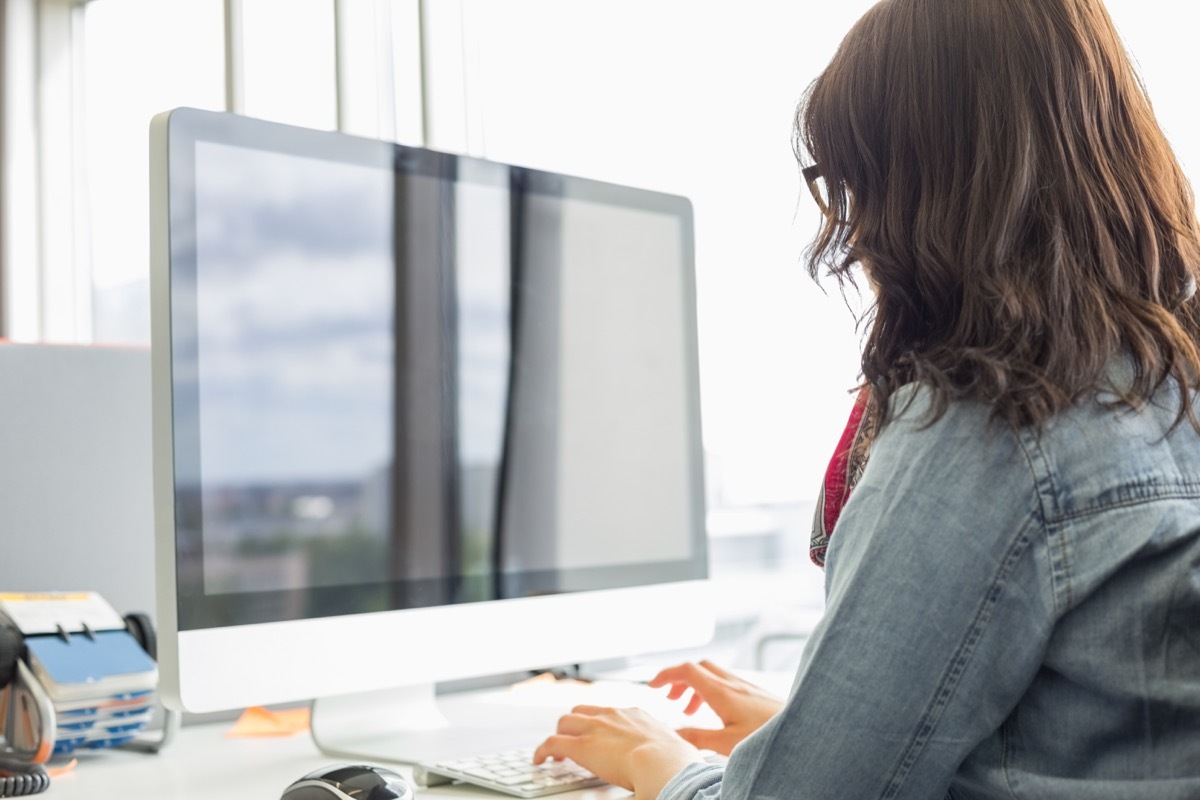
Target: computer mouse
{"points": [[350, 782]]}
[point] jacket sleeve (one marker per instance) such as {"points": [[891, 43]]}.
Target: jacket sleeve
{"points": [[938, 611]]}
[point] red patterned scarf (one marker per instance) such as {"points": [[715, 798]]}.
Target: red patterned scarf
{"points": [[841, 475]]}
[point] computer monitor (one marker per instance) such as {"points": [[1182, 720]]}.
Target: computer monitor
{"points": [[416, 417]]}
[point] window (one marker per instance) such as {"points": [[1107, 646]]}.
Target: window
{"points": [[180, 65], [696, 99], [686, 97], [1161, 37], [92, 78]]}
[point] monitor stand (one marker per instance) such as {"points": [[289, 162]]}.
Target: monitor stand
{"points": [[410, 724]]}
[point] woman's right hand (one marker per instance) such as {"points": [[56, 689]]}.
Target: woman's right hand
{"points": [[742, 706]]}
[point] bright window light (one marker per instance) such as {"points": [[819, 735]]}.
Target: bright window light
{"points": [[129, 79]]}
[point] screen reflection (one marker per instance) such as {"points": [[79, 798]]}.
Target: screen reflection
{"points": [[432, 384]]}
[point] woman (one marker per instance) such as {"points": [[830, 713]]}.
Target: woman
{"points": [[1013, 585]]}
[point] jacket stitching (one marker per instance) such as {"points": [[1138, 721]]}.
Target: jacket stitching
{"points": [[1056, 540], [1168, 491]]}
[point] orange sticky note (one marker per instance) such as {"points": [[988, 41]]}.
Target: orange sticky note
{"points": [[259, 721]]}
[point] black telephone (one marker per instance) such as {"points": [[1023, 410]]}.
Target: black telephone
{"points": [[17, 778], [21, 778]]}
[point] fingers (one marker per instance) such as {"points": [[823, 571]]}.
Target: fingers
{"points": [[559, 747], [667, 676], [672, 677], [680, 681], [566, 742], [705, 680], [582, 719], [698, 676], [572, 724]]}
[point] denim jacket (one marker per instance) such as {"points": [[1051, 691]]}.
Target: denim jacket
{"points": [[1008, 616]]}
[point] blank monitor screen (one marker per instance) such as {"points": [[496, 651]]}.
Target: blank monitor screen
{"points": [[404, 379]]}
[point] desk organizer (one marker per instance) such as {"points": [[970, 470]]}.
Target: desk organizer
{"points": [[75, 675]]}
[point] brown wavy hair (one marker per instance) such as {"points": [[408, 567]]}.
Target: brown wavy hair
{"points": [[996, 168]]}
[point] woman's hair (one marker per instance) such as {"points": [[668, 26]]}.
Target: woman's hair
{"points": [[997, 169]]}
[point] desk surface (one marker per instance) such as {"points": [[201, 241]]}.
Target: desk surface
{"points": [[202, 763]]}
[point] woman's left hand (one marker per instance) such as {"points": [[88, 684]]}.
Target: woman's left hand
{"points": [[624, 746]]}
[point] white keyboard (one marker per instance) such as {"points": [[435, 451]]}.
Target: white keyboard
{"points": [[511, 772]]}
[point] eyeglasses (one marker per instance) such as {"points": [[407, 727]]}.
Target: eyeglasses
{"points": [[818, 187]]}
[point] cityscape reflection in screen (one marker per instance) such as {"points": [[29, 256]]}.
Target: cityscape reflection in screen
{"points": [[417, 386]]}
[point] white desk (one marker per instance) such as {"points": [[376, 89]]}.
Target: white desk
{"points": [[203, 764]]}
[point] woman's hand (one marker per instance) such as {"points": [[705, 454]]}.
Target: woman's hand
{"points": [[626, 747], [742, 706]]}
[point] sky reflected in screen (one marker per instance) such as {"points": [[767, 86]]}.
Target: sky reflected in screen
{"points": [[294, 367], [451, 381]]}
